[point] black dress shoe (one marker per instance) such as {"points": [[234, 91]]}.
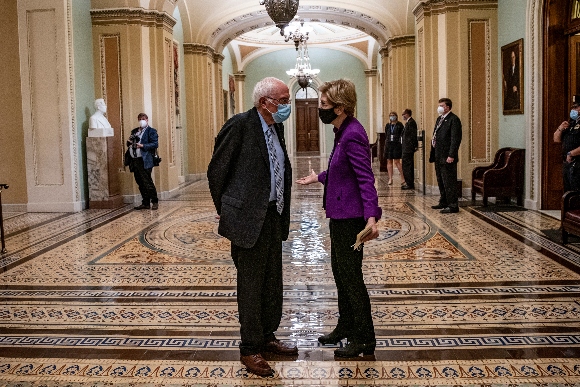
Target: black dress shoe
{"points": [[154, 206], [257, 365], [439, 206], [355, 349], [142, 207], [407, 187], [280, 348], [450, 210], [332, 338]]}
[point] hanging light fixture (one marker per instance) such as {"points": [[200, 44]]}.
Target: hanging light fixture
{"points": [[281, 11], [303, 71], [297, 33]]}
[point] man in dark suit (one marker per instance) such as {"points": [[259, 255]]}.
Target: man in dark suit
{"points": [[142, 145], [250, 178], [444, 153], [511, 83], [410, 146]]}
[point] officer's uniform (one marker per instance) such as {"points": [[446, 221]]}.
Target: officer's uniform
{"points": [[571, 141]]}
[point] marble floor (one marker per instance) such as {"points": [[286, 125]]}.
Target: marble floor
{"points": [[485, 297]]}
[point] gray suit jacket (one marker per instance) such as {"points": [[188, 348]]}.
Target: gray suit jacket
{"points": [[239, 179]]}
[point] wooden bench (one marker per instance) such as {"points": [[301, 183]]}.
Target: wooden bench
{"points": [[502, 179]]}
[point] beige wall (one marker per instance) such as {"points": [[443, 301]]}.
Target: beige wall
{"points": [[12, 166], [448, 66]]}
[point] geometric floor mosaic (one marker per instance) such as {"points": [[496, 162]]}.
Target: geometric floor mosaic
{"points": [[488, 296]]}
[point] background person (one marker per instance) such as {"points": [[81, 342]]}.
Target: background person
{"points": [[142, 145], [351, 203], [393, 146], [444, 154], [250, 179], [568, 133], [410, 146]]}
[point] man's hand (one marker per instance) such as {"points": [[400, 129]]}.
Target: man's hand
{"points": [[312, 178], [375, 230], [450, 160]]}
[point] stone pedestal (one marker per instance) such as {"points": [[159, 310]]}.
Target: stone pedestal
{"points": [[103, 179]]}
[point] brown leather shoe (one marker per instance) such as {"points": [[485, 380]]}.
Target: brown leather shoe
{"points": [[280, 348], [257, 365]]}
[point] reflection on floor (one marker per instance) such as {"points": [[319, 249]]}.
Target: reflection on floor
{"points": [[488, 296]]}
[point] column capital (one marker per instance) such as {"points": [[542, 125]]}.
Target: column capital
{"points": [[240, 77], [136, 16], [400, 41], [199, 49], [218, 58], [371, 72]]}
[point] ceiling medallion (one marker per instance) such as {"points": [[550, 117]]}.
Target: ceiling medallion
{"points": [[281, 11]]}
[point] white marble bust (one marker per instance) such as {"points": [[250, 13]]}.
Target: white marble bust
{"points": [[99, 126]]}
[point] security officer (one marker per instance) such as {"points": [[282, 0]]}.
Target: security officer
{"points": [[568, 133]]}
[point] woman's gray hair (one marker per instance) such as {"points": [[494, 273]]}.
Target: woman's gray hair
{"points": [[264, 88]]}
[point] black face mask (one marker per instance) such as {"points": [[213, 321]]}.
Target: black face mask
{"points": [[327, 115]]}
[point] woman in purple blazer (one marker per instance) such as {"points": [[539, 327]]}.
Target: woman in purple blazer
{"points": [[351, 203]]}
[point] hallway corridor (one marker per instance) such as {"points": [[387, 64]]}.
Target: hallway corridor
{"points": [[148, 298]]}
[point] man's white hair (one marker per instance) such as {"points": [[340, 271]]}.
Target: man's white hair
{"points": [[264, 88]]}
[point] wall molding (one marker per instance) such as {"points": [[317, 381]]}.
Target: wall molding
{"points": [[133, 16]]}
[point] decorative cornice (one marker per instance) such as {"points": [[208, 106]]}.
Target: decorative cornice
{"points": [[240, 77], [138, 16], [400, 41], [371, 72], [199, 49], [436, 7]]}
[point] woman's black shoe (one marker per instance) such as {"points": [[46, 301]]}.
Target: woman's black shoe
{"points": [[354, 349], [332, 338]]}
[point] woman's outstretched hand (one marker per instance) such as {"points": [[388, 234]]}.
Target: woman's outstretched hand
{"points": [[312, 178]]}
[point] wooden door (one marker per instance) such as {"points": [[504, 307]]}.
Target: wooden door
{"points": [[307, 133], [557, 97]]}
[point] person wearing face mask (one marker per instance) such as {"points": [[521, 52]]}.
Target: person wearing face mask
{"points": [[141, 147], [351, 202], [568, 133], [250, 178], [410, 146], [445, 155], [394, 146]]}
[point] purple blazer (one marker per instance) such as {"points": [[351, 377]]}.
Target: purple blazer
{"points": [[350, 182]]}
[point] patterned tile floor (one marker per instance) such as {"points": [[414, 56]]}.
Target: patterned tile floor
{"points": [[488, 296]]}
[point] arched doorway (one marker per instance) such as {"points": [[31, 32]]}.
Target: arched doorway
{"points": [[307, 126], [561, 82]]}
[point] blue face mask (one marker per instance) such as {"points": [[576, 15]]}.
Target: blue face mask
{"points": [[283, 113], [574, 114]]}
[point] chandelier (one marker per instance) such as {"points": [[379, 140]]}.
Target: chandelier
{"points": [[281, 11], [303, 71], [297, 33]]}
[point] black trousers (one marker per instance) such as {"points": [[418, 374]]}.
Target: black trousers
{"points": [[260, 285], [408, 162], [144, 181], [447, 181], [354, 305]]}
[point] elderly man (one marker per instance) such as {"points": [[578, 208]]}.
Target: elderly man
{"points": [[250, 179]]}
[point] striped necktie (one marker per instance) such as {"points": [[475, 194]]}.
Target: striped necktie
{"points": [[277, 172]]}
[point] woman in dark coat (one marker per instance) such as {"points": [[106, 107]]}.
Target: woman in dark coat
{"points": [[393, 146]]}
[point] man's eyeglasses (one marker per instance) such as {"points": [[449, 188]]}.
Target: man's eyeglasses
{"points": [[282, 101]]}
